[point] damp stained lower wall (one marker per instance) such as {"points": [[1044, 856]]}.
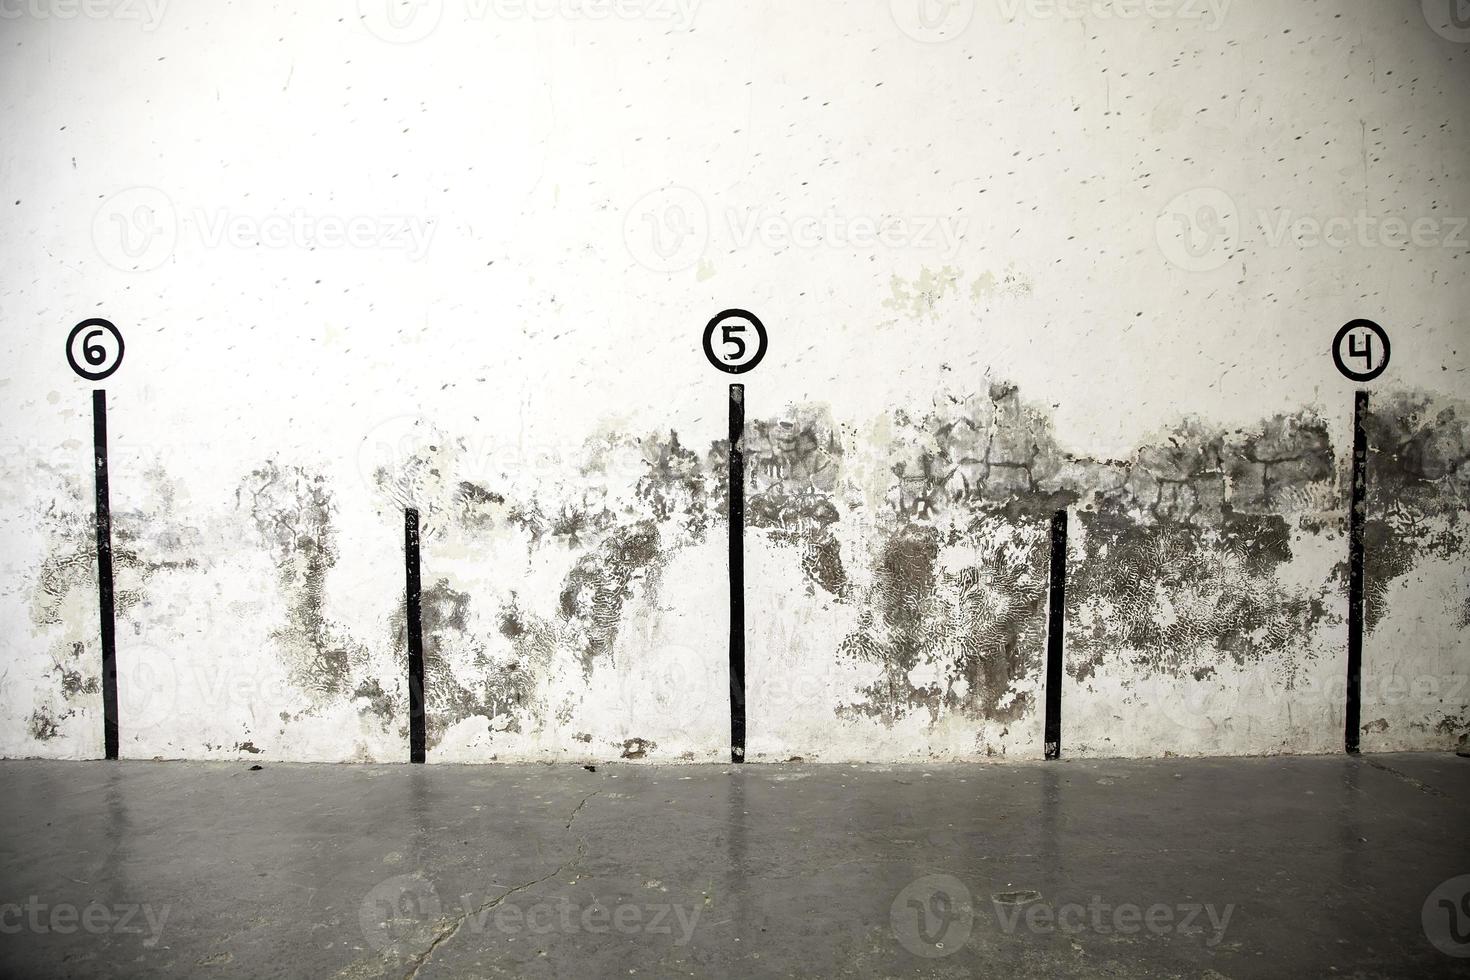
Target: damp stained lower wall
{"points": [[897, 591], [1045, 262]]}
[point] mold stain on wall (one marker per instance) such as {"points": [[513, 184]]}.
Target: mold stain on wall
{"points": [[1181, 547], [614, 513], [464, 677], [1182, 559], [1419, 491], [63, 601], [291, 511], [931, 526]]}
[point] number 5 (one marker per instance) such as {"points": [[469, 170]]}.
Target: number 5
{"points": [[727, 332]]}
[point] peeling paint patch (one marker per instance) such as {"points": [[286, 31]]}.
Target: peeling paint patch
{"points": [[918, 298]]}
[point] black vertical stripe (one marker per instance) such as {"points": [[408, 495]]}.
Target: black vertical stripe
{"points": [[737, 574], [1056, 619], [104, 574], [1357, 517], [414, 609]]}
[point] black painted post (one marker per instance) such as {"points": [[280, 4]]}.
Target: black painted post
{"points": [[737, 574], [1357, 517], [1056, 619], [414, 611], [104, 574]]}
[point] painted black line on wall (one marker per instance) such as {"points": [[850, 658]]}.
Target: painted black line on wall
{"points": [[737, 574], [1056, 619], [104, 574], [1357, 517], [415, 627]]}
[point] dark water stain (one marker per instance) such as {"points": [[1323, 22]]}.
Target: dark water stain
{"points": [[485, 687], [477, 506], [1182, 545], [1454, 725], [291, 510], [982, 452], [599, 585], [979, 629], [675, 484], [793, 466], [145, 543], [1418, 491], [1172, 596], [73, 682], [42, 726], [379, 703], [637, 748]]}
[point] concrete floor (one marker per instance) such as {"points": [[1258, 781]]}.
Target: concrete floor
{"points": [[1234, 868]]}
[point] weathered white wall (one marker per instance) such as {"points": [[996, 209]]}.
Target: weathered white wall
{"points": [[457, 254]]}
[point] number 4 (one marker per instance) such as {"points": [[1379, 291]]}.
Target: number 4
{"points": [[1365, 351]]}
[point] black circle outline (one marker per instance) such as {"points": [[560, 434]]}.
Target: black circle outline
{"points": [[1337, 354], [105, 325], [760, 332]]}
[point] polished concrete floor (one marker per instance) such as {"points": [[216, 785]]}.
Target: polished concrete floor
{"points": [[1302, 867]]}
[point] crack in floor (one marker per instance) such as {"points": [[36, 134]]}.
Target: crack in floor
{"points": [[452, 929], [1421, 786], [579, 807]]}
